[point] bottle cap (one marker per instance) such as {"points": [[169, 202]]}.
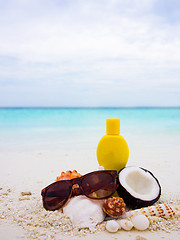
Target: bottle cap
{"points": [[113, 126]]}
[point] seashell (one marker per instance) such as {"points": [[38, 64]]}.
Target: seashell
{"points": [[84, 212], [114, 207], [68, 175], [112, 226], [159, 210], [140, 222], [125, 224]]}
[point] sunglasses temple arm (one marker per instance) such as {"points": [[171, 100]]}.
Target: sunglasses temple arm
{"points": [[43, 192]]}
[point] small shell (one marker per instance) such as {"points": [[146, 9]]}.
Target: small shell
{"points": [[114, 206], [68, 175], [125, 224], [140, 222], [159, 210], [112, 226]]}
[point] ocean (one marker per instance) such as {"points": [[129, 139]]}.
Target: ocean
{"points": [[56, 129]]}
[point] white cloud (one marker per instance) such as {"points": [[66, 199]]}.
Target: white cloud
{"points": [[95, 46]]}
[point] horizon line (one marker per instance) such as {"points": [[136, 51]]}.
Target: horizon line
{"points": [[84, 107]]}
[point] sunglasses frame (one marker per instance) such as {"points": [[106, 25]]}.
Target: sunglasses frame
{"points": [[79, 190]]}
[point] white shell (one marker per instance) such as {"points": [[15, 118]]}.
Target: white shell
{"points": [[84, 212], [125, 224], [159, 210], [140, 222], [112, 226]]}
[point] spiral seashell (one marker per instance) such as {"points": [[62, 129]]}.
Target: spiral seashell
{"points": [[68, 175], [159, 210], [114, 207]]}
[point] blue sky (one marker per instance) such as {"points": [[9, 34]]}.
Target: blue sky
{"points": [[90, 53]]}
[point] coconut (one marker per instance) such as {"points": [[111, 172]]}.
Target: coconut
{"points": [[138, 187]]}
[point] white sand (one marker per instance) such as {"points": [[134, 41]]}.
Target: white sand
{"points": [[31, 171]]}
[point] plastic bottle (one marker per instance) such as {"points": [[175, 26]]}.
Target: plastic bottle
{"points": [[112, 150]]}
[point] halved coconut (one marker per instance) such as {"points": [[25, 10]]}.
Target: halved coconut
{"points": [[138, 187]]}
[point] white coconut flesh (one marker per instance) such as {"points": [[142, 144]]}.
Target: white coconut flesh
{"points": [[139, 183]]}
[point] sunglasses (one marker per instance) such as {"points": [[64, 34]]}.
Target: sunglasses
{"points": [[94, 185]]}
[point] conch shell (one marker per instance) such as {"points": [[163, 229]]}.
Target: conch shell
{"points": [[84, 212], [68, 175], [159, 210]]}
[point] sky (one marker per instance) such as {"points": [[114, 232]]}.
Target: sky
{"points": [[70, 53]]}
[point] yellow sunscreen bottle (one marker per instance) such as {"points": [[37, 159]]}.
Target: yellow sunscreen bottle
{"points": [[112, 150]]}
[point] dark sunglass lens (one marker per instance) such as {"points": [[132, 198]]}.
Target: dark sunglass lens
{"points": [[98, 185], [56, 195]]}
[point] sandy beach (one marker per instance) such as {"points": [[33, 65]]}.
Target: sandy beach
{"points": [[72, 72], [24, 174]]}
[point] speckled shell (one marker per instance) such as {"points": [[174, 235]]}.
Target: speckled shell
{"points": [[68, 175], [114, 207], [159, 210]]}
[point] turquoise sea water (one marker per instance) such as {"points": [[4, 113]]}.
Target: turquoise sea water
{"points": [[62, 128]]}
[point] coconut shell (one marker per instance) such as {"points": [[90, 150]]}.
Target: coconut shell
{"points": [[132, 201]]}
